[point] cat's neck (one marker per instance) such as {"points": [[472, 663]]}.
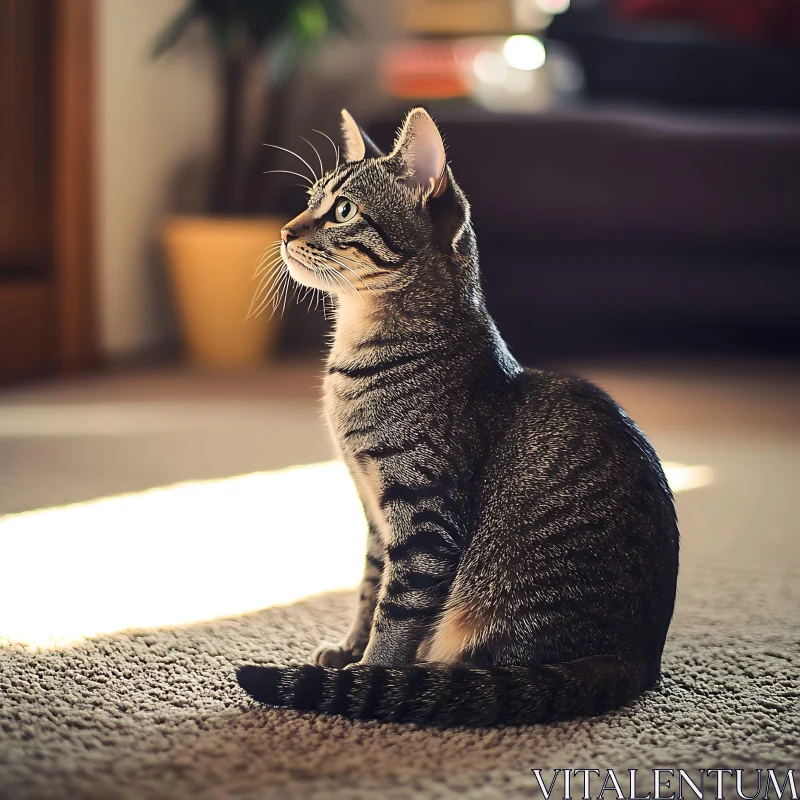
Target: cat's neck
{"points": [[356, 319], [406, 318]]}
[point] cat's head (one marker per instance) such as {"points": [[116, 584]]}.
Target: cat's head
{"points": [[381, 222]]}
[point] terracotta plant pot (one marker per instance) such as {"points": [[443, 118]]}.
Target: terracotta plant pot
{"points": [[212, 262]]}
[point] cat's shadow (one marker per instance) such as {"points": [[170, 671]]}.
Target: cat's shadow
{"points": [[268, 748], [227, 744]]}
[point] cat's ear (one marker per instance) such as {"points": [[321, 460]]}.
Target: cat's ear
{"points": [[357, 144], [419, 151], [450, 216]]}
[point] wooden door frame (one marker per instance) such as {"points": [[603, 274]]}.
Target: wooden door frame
{"points": [[74, 169]]}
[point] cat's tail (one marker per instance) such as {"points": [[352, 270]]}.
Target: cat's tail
{"points": [[433, 694]]}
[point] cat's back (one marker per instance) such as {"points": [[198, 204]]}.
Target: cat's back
{"points": [[552, 398], [568, 429]]}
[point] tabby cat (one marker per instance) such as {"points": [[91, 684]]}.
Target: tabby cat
{"points": [[522, 550]]}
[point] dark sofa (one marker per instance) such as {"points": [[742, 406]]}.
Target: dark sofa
{"points": [[641, 220], [611, 231]]}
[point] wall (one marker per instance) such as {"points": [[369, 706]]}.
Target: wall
{"points": [[152, 118]]}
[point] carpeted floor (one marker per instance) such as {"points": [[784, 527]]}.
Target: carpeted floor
{"points": [[157, 714]]}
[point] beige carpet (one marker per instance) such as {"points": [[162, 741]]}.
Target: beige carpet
{"points": [[157, 713]]}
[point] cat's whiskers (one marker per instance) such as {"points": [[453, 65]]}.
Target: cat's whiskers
{"points": [[272, 246], [338, 277], [376, 269], [311, 291], [335, 273], [331, 308], [319, 157], [334, 145], [266, 267], [296, 155], [264, 288], [349, 269], [331, 276], [347, 258], [327, 296], [269, 251], [300, 296], [268, 258], [282, 287], [269, 275], [296, 294], [260, 307], [360, 262], [323, 295], [286, 295], [276, 280], [291, 172]]}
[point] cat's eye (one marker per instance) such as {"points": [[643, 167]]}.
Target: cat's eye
{"points": [[345, 210]]}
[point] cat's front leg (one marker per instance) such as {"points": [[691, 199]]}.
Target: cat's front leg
{"points": [[352, 647], [417, 578]]}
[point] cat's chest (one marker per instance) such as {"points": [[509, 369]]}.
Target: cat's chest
{"points": [[363, 388], [376, 408], [365, 413], [358, 416], [354, 429], [369, 432]]}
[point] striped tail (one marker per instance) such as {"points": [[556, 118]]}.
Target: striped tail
{"points": [[431, 694]]}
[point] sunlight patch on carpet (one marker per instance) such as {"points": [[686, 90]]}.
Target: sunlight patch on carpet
{"points": [[179, 554], [190, 552]]}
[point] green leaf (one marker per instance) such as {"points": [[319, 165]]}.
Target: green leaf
{"points": [[311, 21]]}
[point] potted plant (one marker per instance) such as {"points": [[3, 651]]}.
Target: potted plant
{"points": [[212, 258]]}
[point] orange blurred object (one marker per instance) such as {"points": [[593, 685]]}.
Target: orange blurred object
{"points": [[423, 70], [212, 261]]}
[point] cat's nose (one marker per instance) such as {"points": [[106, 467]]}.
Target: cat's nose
{"points": [[286, 234]]}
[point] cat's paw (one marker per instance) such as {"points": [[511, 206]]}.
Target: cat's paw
{"points": [[334, 655]]}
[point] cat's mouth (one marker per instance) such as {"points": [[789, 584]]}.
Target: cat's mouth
{"points": [[301, 272], [324, 278]]}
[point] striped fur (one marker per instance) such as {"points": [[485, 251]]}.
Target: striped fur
{"points": [[523, 549]]}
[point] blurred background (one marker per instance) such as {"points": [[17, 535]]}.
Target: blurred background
{"points": [[634, 173], [633, 168]]}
